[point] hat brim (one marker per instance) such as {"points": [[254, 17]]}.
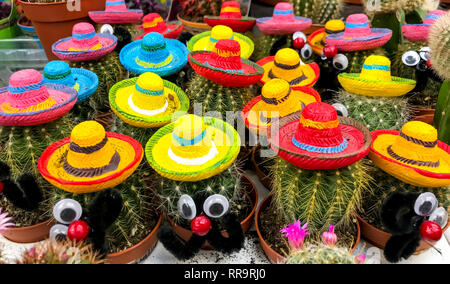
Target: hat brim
{"points": [[300, 97], [416, 33], [119, 17], [237, 25], [174, 29], [358, 139], [118, 100], [353, 83], [87, 81], [377, 38], [414, 175], [315, 41], [268, 26], [226, 139], [311, 71], [179, 52], [251, 72], [65, 98], [61, 49], [200, 42], [50, 165]]}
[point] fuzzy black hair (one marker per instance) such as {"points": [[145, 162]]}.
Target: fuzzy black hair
{"points": [[104, 209], [184, 37], [401, 246], [5, 172], [179, 248], [397, 213], [24, 194], [277, 45], [235, 240], [123, 37]]}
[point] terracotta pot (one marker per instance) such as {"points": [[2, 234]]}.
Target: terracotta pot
{"points": [[137, 251], [263, 178], [29, 234], [417, 111], [252, 192], [427, 118], [54, 21], [193, 27], [273, 256], [379, 237]]}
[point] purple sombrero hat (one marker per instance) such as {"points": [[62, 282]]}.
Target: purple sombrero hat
{"points": [[358, 35], [283, 21], [419, 32], [116, 12], [29, 101], [84, 44]]}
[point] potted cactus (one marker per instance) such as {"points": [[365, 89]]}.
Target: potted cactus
{"points": [[192, 12], [320, 11]]}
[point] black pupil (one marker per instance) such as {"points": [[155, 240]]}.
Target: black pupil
{"points": [[187, 211], [216, 209], [338, 65], [68, 215], [339, 113], [60, 237], [425, 207], [306, 53], [410, 59]]}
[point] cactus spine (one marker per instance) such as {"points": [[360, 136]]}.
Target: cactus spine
{"points": [[356, 59], [268, 45], [320, 254], [320, 11]]}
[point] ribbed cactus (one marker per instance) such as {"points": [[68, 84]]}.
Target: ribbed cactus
{"points": [[142, 135], [319, 197], [376, 112], [356, 59], [439, 43], [320, 11], [194, 10], [320, 254], [268, 45], [442, 114], [386, 6]]}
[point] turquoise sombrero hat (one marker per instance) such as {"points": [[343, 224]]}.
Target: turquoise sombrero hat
{"points": [[82, 80], [156, 54]]}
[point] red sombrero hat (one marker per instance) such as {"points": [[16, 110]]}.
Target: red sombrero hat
{"points": [[230, 16], [317, 139], [225, 66], [154, 23]]}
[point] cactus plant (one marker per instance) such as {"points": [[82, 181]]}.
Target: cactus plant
{"points": [[268, 45], [321, 254], [376, 112], [319, 197], [194, 10], [320, 11], [386, 6]]}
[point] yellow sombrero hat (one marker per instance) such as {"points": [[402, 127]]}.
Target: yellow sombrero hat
{"points": [[277, 100], [413, 155], [207, 40], [375, 79], [287, 65], [193, 148], [90, 159], [147, 100], [317, 39]]}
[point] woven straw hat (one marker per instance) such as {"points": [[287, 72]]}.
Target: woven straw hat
{"points": [[230, 16], [116, 12], [419, 32], [317, 39], [153, 22], [283, 21]]}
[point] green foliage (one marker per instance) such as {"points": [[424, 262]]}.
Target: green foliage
{"points": [[319, 197], [320, 254], [320, 11], [194, 10], [376, 112], [442, 115]]}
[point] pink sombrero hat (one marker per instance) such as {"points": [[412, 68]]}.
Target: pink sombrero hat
{"points": [[283, 21], [230, 16], [153, 22], [419, 32], [358, 35], [29, 101], [84, 44], [116, 12], [317, 139]]}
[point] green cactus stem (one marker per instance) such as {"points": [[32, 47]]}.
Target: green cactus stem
{"points": [[442, 114], [320, 11], [320, 254], [439, 43]]}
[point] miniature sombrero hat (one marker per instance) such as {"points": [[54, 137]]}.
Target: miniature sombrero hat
{"points": [[277, 100], [154, 53], [419, 32], [154, 23], [287, 65], [358, 35], [193, 148], [28, 100], [147, 101], [230, 16], [90, 159], [375, 79], [84, 44], [283, 21], [413, 155], [85, 82], [317, 139], [116, 12], [225, 66], [207, 40], [317, 39]]}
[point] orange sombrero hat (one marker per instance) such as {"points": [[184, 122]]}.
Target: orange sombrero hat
{"points": [[230, 16], [153, 22], [317, 39]]}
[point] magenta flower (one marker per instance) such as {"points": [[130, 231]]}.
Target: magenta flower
{"points": [[329, 238], [296, 234], [4, 222], [361, 258]]}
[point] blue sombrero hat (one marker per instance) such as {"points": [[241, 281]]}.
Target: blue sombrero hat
{"points": [[82, 80], [156, 54]]}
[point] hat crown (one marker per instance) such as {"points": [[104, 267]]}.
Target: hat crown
{"points": [[226, 55], [88, 133], [357, 25], [334, 26], [287, 66], [420, 130], [376, 67], [230, 10], [150, 83], [153, 21], [283, 11], [433, 16], [190, 138], [189, 126], [84, 35], [148, 93], [115, 6], [27, 88], [59, 72], [153, 48], [287, 56], [221, 32], [275, 89]]}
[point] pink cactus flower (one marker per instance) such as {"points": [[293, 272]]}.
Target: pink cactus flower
{"points": [[329, 238], [296, 234], [4, 222], [361, 258]]}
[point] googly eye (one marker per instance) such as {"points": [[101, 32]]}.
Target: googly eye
{"points": [[340, 62], [425, 53], [425, 204], [341, 109], [58, 232], [306, 51], [299, 35], [67, 210], [410, 58], [439, 216], [216, 206], [186, 207], [107, 29]]}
